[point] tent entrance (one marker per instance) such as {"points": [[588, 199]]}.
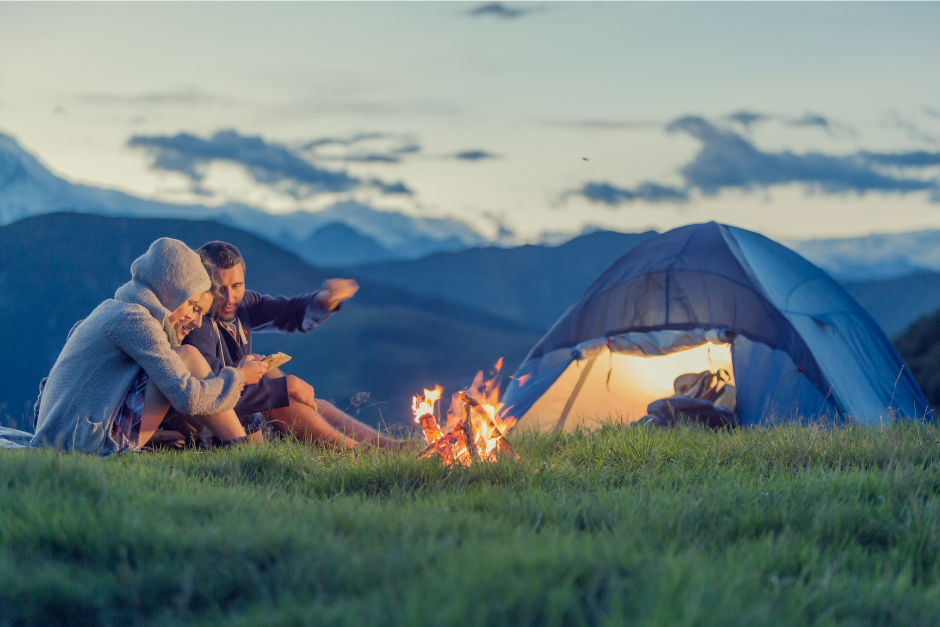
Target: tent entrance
{"points": [[618, 385]]}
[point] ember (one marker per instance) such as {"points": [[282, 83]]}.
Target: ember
{"points": [[475, 430]]}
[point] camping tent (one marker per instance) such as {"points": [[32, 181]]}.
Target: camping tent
{"points": [[709, 296]]}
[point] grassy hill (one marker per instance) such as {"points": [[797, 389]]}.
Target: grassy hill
{"points": [[625, 526], [919, 346], [54, 269]]}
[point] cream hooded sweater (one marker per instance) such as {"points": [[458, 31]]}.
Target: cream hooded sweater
{"points": [[107, 350]]}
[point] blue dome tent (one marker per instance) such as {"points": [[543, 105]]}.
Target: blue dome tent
{"points": [[709, 296]]}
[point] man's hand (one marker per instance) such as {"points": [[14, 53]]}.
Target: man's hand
{"points": [[335, 291], [252, 369], [301, 391]]}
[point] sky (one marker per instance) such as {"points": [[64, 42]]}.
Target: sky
{"points": [[797, 120]]}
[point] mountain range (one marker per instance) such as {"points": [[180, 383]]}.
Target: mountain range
{"points": [[28, 188], [55, 268], [536, 284]]}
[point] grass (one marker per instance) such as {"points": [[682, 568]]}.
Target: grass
{"points": [[781, 526]]}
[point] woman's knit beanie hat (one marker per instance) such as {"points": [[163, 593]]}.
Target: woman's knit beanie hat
{"points": [[173, 271]]}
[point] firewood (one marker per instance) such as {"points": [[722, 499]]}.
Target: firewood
{"points": [[502, 443], [432, 432], [444, 446], [466, 425]]}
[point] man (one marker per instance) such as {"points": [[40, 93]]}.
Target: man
{"points": [[288, 401]]}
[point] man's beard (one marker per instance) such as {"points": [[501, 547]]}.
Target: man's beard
{"points": [[229, 317]]}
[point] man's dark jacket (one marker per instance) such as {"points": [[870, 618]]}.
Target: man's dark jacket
{"points": [[263, 314]]}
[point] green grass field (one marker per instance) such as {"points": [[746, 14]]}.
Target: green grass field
{"points": [[783, 526]]}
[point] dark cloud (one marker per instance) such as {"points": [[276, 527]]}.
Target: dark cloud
{"points": [[401, 146], [811, 119], [917, 159], [727, 160], [932, 112], [814, 120], [748, 118], [610, 195], [499, 10], [474, 155], [268, 163]]}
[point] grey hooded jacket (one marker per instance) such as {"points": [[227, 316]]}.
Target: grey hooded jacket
{"points": [[107, 350]]}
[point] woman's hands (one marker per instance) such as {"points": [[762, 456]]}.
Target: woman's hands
{"points": [[252, 368]]}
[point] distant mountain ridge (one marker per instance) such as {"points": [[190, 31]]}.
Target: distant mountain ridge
{"points": [[879, 256], [28, 188], [54, 269], [529, 283], [536, 284]]}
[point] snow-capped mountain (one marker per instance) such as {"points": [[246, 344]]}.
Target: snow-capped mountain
{"points": [[880, 256], [28, 188]]}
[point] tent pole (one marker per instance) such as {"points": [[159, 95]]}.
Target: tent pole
{"points": [[574, 395]]}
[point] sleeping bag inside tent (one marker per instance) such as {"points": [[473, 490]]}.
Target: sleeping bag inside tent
{"points": [[784, 337]]}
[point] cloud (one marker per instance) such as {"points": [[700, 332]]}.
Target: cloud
{"points": [[475, 155], [932, 113], [748, 118], [363, 148], [727, 160], [914, 132], [182, 96], [811, 119], [498, 10], [917, 159], [268, 163], [608, 194]]}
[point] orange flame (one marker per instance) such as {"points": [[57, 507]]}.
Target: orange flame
{"points": [[425, 404], [487, 426]]}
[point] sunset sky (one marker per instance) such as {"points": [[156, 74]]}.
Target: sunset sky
{"points": [[795, 120]]}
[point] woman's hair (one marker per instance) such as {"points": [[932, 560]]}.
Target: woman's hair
{"points": [[215, 289]]}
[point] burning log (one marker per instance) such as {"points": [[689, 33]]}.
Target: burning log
{"points": [[448, 447], [432, 432], [475, 436], [501, 442], [470, 438]]}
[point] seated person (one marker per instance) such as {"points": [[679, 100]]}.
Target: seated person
{"points": [[288, 401], [122, 367]]}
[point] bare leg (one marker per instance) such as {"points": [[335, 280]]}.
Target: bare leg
{"points": [[345, 423], [307, 424], [225, 425], [326, 424], [155, 408]]}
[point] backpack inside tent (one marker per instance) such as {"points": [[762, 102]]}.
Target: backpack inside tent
{"points": [[702, 299]]}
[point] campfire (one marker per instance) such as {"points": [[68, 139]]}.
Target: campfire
{"points": [[474, 431]]}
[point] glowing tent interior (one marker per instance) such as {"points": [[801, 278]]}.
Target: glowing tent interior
{"points": [[709, 296]]}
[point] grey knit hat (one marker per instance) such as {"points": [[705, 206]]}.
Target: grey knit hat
{"points": [[173, 271]]}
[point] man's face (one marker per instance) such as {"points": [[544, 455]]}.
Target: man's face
{"points": [[232, 282]]}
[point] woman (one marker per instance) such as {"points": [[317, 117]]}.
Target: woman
{"points": [[178, 430], [118, 374]]}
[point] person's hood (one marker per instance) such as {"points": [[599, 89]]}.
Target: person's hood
{"points": [[165, 277]]}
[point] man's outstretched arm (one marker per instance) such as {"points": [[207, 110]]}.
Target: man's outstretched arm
{"points": [[300, 313]]}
